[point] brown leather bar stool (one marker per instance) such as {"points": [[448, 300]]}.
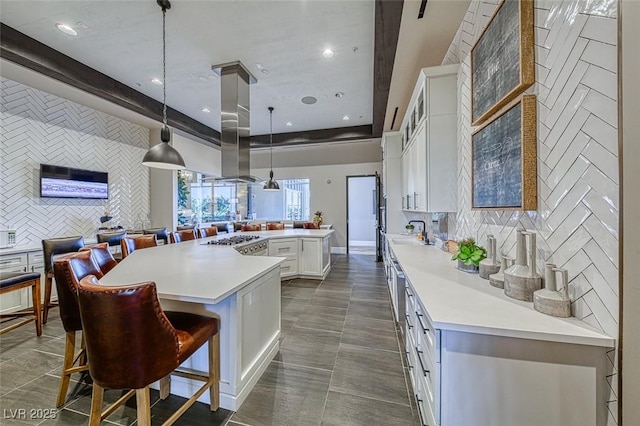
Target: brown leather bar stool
{"points": [[252, 227], [310, 225], [184, 227], [211, 231], [102, 256], [130, 244], [275, 226], [237, 226], [14, 281], [298, 224], [184, 235], [114, 240], [69, 270], [160, 233], [132, 342], [55, 247]]}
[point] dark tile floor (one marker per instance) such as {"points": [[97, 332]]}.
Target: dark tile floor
{"points": [[339, 364]]}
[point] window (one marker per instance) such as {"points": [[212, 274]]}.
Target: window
{"points": [[290, 203]]}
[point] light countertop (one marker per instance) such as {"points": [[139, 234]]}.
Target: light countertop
{"points": [[459, 301]]}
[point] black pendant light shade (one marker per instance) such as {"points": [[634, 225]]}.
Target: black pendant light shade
{"points": [[163, 155], [271, 184]]}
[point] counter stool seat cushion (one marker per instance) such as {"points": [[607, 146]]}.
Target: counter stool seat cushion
{"points": [[14, 281]]}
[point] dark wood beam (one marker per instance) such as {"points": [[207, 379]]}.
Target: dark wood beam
{"points": [[340, 134], [30, 53], [388, 16]]}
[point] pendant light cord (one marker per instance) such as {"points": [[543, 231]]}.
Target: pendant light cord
{"points": [[164, 68], [271, 135]]}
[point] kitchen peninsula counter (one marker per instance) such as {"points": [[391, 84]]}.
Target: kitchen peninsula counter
{"points": [[243, 291]]}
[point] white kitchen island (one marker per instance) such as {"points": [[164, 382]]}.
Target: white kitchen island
{"points": [[478, 357], [243, 291]]}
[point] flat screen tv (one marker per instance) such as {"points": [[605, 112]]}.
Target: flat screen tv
{"points": [[64, 182]]}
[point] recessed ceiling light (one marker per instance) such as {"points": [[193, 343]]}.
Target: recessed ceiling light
{"points": [[328, 53], [339, 94], [156, 81], [205, 109], [66, 29], [346, 117], [309, 100], [288, 123], [264, 71]]}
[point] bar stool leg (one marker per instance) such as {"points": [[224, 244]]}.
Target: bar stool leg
{"points": [[48, 283], [37, 310], [96, 405], [69, 353], [143, 403], [165, 386], [214, 372]]}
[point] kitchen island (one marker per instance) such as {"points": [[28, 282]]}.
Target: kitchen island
{"points": [[477, 356], [243, 291], [216, 280]]}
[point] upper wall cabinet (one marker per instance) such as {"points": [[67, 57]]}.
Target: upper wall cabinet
{"points": [[429, 157]]}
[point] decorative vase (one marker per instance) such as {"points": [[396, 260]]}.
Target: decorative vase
{"points": [[472, 269], [318, 220]]}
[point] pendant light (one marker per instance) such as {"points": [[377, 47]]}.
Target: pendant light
{"points": [[271, 185], [163, 155]]}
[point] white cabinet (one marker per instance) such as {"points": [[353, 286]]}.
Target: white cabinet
{"points": [[392, 182], [326, 254], [286, 247], [429, 159], [311, 256]]}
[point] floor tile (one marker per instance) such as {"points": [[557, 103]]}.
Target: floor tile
{"points": [[320, 321], [126, 414], [22, 370], [370, 373], [198, 414], [19, 342], [370, 333], [374, 309], [370, 292], [297, 292], [32, 403], [337, 299], [67, 418], [349, 410], [305, 283], [292, 308], [286, 395], [309, 348]]}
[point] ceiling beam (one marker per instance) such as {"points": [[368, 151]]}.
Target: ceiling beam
{"points": [[30, 53], [388, 16], [340, 134]]}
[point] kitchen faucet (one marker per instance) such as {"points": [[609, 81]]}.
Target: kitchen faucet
{"points": [[424, 230]]}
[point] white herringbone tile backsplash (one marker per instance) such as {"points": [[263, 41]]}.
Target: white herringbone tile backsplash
{"points": [[577, 217], [41, 128]]}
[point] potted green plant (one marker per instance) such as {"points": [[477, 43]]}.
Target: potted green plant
{"points": [[469, 255], [409, 227]]}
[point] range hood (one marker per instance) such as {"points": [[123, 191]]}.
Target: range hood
{"points": [[235, 79]]}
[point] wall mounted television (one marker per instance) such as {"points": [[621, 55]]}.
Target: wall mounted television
{"points": [[65, 182]]}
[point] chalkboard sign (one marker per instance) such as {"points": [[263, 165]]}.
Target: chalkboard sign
{"points": [[502, 60], [504, 160]]}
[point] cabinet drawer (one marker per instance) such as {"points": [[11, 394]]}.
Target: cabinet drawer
{"points": [[284, 248], [35, 259], [13, 263], [289, 267], [425, 408], [426, 333]]}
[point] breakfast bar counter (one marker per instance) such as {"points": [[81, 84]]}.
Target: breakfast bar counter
{"points": [[243, 291]]}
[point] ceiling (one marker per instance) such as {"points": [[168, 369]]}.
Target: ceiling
{"points": [[123, 39]]}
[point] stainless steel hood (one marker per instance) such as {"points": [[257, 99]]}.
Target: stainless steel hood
{"points": [[235, 79]]}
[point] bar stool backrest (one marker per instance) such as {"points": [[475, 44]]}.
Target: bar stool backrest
{"points": [[56, 246], [160, 233], [275, 226], [102, 256], [112, 238], [129, 244]]}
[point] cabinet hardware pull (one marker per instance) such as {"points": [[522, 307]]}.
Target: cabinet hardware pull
{"points": [[24, 269], [424, 329], [408, 323], [415, 202], [408, 363], [422, 422], [424, 370], [33, 268], [406, 289]]}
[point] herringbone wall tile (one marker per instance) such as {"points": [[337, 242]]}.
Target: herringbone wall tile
{"points": [[41, 128], [577, 217]]}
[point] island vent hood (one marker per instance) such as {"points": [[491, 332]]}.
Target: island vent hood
{"points": [[235, 79]]}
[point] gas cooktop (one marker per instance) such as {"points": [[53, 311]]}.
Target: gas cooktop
{"points": [[232, 241]]}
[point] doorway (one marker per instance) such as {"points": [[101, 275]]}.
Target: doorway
{"points": [[363, 214]]}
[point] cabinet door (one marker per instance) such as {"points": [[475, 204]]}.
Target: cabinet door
{"points": [[35, 263], [311, 256], [15, 300], [442, 164], [326, 253], [419, 170], [406, 170]]}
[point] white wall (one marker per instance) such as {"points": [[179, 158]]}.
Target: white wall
{"points": [[630, 15], [577, 216], [362, 216], [38, 127], [328, 187]]}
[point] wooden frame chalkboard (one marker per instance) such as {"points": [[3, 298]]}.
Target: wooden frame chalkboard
{"points": [[502, 59], [503, 152]]}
